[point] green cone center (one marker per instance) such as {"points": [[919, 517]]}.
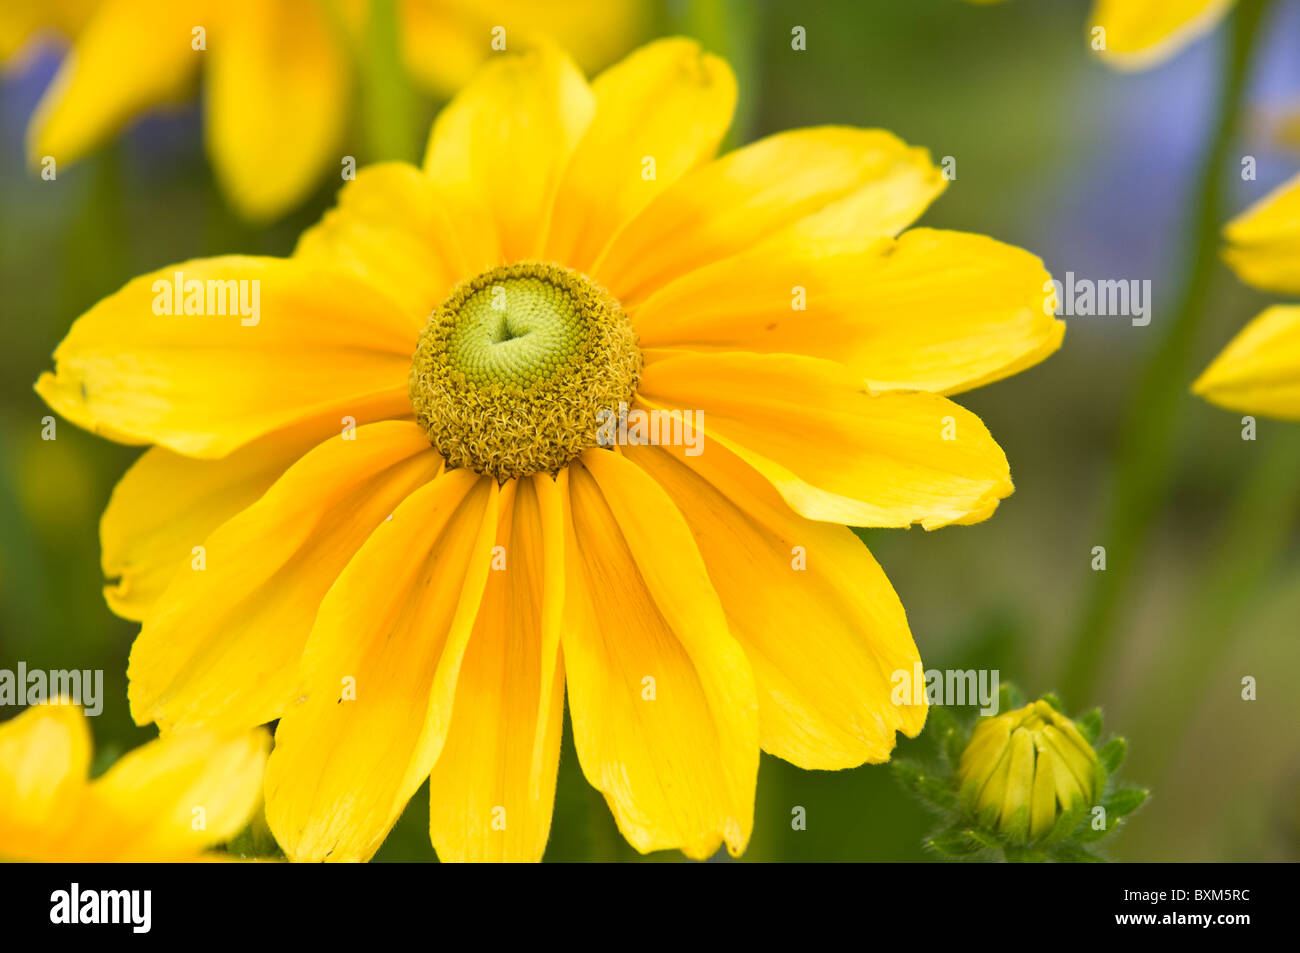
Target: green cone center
{"points": [[513, 370]]}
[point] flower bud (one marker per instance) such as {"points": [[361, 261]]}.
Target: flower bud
{"points": [[1023, 770]]}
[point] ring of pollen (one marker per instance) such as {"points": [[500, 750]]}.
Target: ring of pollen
{"points": [[513, 370]]}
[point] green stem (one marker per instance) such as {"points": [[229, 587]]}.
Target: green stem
{"points": [[1257, 531], [1150, 433], [387, 99], [729, 28]]}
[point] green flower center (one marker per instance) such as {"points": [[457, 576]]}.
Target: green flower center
{"points": [[513, 370]]}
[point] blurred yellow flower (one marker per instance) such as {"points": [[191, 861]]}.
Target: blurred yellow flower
{"points": [[1263, 242], [1137, 34], [279, 73], [1259, 371], [404, 534], [444, 42], [1024, 770], [168, 800], [23, 23], [1143, 33]]}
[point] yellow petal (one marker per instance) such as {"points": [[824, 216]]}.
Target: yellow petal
{"points": [[665, 718], [166, 504], [222, 643], [175, 796], [24, 23], [1264, 241], [44, 759], [830, 182], [659, 113], [394, 229], [502, 144], [1017, 795], [204, 384], [95, 92], [1042, 807], [983, 756], [277, 95], [442, 46], [1068, 791], [1142, 33], [379, 673], [834, 451], [1074, 752], [493, 786], [444, 41], [825, 699], [934, 310], [1259, 371]]}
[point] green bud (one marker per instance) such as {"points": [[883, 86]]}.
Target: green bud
{"points": [[1024, 770]]}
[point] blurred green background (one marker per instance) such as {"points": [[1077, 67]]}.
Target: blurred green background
{"points": [[1095, 171]]}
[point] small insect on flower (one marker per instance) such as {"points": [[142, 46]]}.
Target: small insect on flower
{"points": [[168, 800], [389, 515]]}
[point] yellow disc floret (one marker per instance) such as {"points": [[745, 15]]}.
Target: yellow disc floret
{"points": [[513, 370]]}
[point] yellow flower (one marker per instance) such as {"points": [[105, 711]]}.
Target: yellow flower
{"points": [[1143, 33], [1138, 34], [1023, 770], [1259, 371], [168, 800], [1264, 241], [444, 42], [278, 72], [579, 247], [21, 24]]}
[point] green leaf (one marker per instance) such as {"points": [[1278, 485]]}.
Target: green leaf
{"points": [[1014, 827], [941, 727], [932, 789], [1089, 725], [907, 772], [1071, 853], [1086, 833], [941, 721], [1125, 801], [1025, 855], [957, 842], [954, 743], [1067, 822], [1112, 754]]}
